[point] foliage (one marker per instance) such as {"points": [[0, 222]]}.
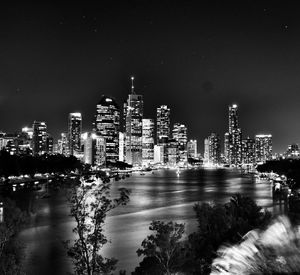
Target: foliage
{"points": [[10, 249], [163, 250], [89, 206], [273, 251], [14, 165], [222, 223]]}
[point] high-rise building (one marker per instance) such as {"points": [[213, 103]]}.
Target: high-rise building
{"points": [[107, 125], [74, 132], [180, 135], [233, 139], [248, 151], [94, 149], [263, 148], [63, 145], [148, 141], [212, 150], [159, 154], [49, 144], [173, 152], [192, 149], [162, 123], [134, 116], [39, 138], [121, 146]]}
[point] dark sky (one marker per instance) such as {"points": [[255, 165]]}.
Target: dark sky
{"points": [[196, 56]]}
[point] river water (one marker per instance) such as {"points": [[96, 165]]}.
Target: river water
{"points": [[159, 196]]}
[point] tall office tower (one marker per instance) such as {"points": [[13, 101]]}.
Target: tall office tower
{"points": [[180, 135], [63, 145], [233, 139], [94, 149], [148, 141], [159, 154], [248, 151], [263, 148], [212, 149], [162, 123], [227, 141], [39, 138], [121, 146], [192, 149], [107, 125], [49, 144], [173, 152], [206, 151], [134, 116], [74, 132]]}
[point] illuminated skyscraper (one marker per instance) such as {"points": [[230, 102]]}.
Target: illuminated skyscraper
{"points": [[74, 132], [63, 145], [212, 150], [248, 151], [233, 139], [94, 149], [148, 141], [180, 135], [134, 116], [107, 125], [121, 146], [39, 138], [173, 152], [162, 123], [192, 148], [263, 148]]}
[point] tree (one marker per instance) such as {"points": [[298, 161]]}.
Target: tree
{"points": [[163, 250], [10, 249], [218, 224], [89, 206]]}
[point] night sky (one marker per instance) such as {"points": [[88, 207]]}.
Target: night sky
{"points": [[195, 56]]}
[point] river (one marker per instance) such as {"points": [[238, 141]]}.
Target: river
{"points": [[159, 196]]}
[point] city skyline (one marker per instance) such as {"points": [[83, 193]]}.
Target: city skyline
{"points": [[244, 53]]}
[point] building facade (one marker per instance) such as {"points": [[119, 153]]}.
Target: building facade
{"points": [[233, 138], [148, 142], [107, 125], [39, 138], [94, 149], [263, 148], [74, 132], [180, 135], [162, 123], [192, 149], [134, 128]]}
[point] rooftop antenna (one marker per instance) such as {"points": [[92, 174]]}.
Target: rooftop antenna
{"points": [[132, 86]]}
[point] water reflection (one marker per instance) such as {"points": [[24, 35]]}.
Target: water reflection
{"points": [[159, 196]]}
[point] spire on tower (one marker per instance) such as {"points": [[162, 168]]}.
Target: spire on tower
{"points": [[132, 86]]}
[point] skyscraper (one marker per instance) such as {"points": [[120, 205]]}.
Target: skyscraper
{"points": [[180, 135], [162, 123], [263, 148], [63, 145], [233, 139], [248, 151], [148, 141], [134, 116], [107, 125], [74, 132], [39, 138], [192, 148], [212, 150], [94, 149]]}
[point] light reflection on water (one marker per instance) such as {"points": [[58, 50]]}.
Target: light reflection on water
{"points": [[158, 196]]}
